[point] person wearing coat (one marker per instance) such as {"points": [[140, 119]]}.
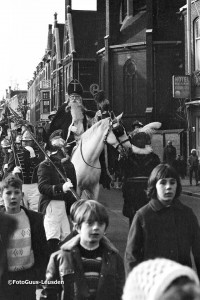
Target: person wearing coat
{"points": [[136, 169], [39, 247], [169, 154], [70, 269], [164, 227], [55, 195], [193, 162]]}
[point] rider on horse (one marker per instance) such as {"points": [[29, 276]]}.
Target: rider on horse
{"points": [[72, 117]]}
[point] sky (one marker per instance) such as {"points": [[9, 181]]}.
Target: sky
{"points": [[23, 36]]}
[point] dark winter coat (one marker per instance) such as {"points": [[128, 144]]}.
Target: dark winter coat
{"points": [[29, 165], [39, 245], [158, 231], [63, 119], [50, 182], [137, 169], [66, 265], [193, 161], [7, 227], [169, 155]]}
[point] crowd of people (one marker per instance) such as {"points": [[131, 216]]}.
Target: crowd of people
{"points": [[54, 246]]}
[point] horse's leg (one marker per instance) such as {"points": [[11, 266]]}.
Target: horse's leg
{"points": [[79, 191], [96, 191], [92, 193]]}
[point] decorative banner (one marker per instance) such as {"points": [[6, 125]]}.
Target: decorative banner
{"points": [[181, 86]]}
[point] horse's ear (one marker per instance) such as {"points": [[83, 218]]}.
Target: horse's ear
{"points": [[119, 117], [112, 115]]}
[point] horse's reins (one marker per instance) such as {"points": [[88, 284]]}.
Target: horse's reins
{"points": [[81, 150]]}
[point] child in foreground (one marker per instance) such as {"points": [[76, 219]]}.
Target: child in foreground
{"points": [[27, 246], [164, 227], [88, 265]]}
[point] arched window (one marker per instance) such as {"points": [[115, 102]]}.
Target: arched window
{"points": [[197, 43], [130, 87]]}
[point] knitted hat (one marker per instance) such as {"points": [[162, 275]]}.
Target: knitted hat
{"points": [[150, 279], [193, 150]]}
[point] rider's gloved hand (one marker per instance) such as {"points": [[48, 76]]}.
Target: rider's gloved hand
{"points": [[98, 113], [16, 170], [67, 185], [5, 166], [74, 129]]}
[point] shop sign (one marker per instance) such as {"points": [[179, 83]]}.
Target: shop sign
{"points": [[181, 86]]}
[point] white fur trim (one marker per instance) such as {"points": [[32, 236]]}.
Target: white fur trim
{"points": [[148, 149]]}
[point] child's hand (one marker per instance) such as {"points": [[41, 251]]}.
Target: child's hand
{"points": [[67, 185]]}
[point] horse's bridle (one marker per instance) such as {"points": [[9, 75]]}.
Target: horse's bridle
{"points": [[118, 129]]}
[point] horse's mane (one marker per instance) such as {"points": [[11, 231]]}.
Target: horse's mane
{"points": [[87, 134]]}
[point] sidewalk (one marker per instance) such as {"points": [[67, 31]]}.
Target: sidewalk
{"points": [[189, 190]]}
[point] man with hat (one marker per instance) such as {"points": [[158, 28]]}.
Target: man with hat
{"points": [[24, 161], [50, 117], [137, 168], [6, 149], [72, 117], [55, 195]]}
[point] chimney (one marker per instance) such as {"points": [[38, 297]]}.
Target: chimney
{"points": [[55, 20], [49, 39], [129, 8], [9, 92]]}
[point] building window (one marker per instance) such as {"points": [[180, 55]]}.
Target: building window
{"points": [[45, 95], [130, 87], [197, 43]]}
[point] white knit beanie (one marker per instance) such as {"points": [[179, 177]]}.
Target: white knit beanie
{"points": [[150, 279]]}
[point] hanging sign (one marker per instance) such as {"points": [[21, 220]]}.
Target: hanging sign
{"points": [[181, 86]]}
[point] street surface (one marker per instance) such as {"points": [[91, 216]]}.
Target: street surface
{"points": [[119, 225]]}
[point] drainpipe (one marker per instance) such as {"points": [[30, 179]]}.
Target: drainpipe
{"points": [[107, 54], [189, 71], [189, 37], [151, 105]]}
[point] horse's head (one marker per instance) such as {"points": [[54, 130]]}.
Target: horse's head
{"points": [[117, 135]]}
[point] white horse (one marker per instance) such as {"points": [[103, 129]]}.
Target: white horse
{"points": [[86, 156]]}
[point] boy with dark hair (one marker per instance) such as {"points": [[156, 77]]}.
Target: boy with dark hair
{"points": [[89, 266], [27, 247]]}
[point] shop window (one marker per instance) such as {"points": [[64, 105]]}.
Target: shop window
{"points": [[130, 87], [197, 43]]}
